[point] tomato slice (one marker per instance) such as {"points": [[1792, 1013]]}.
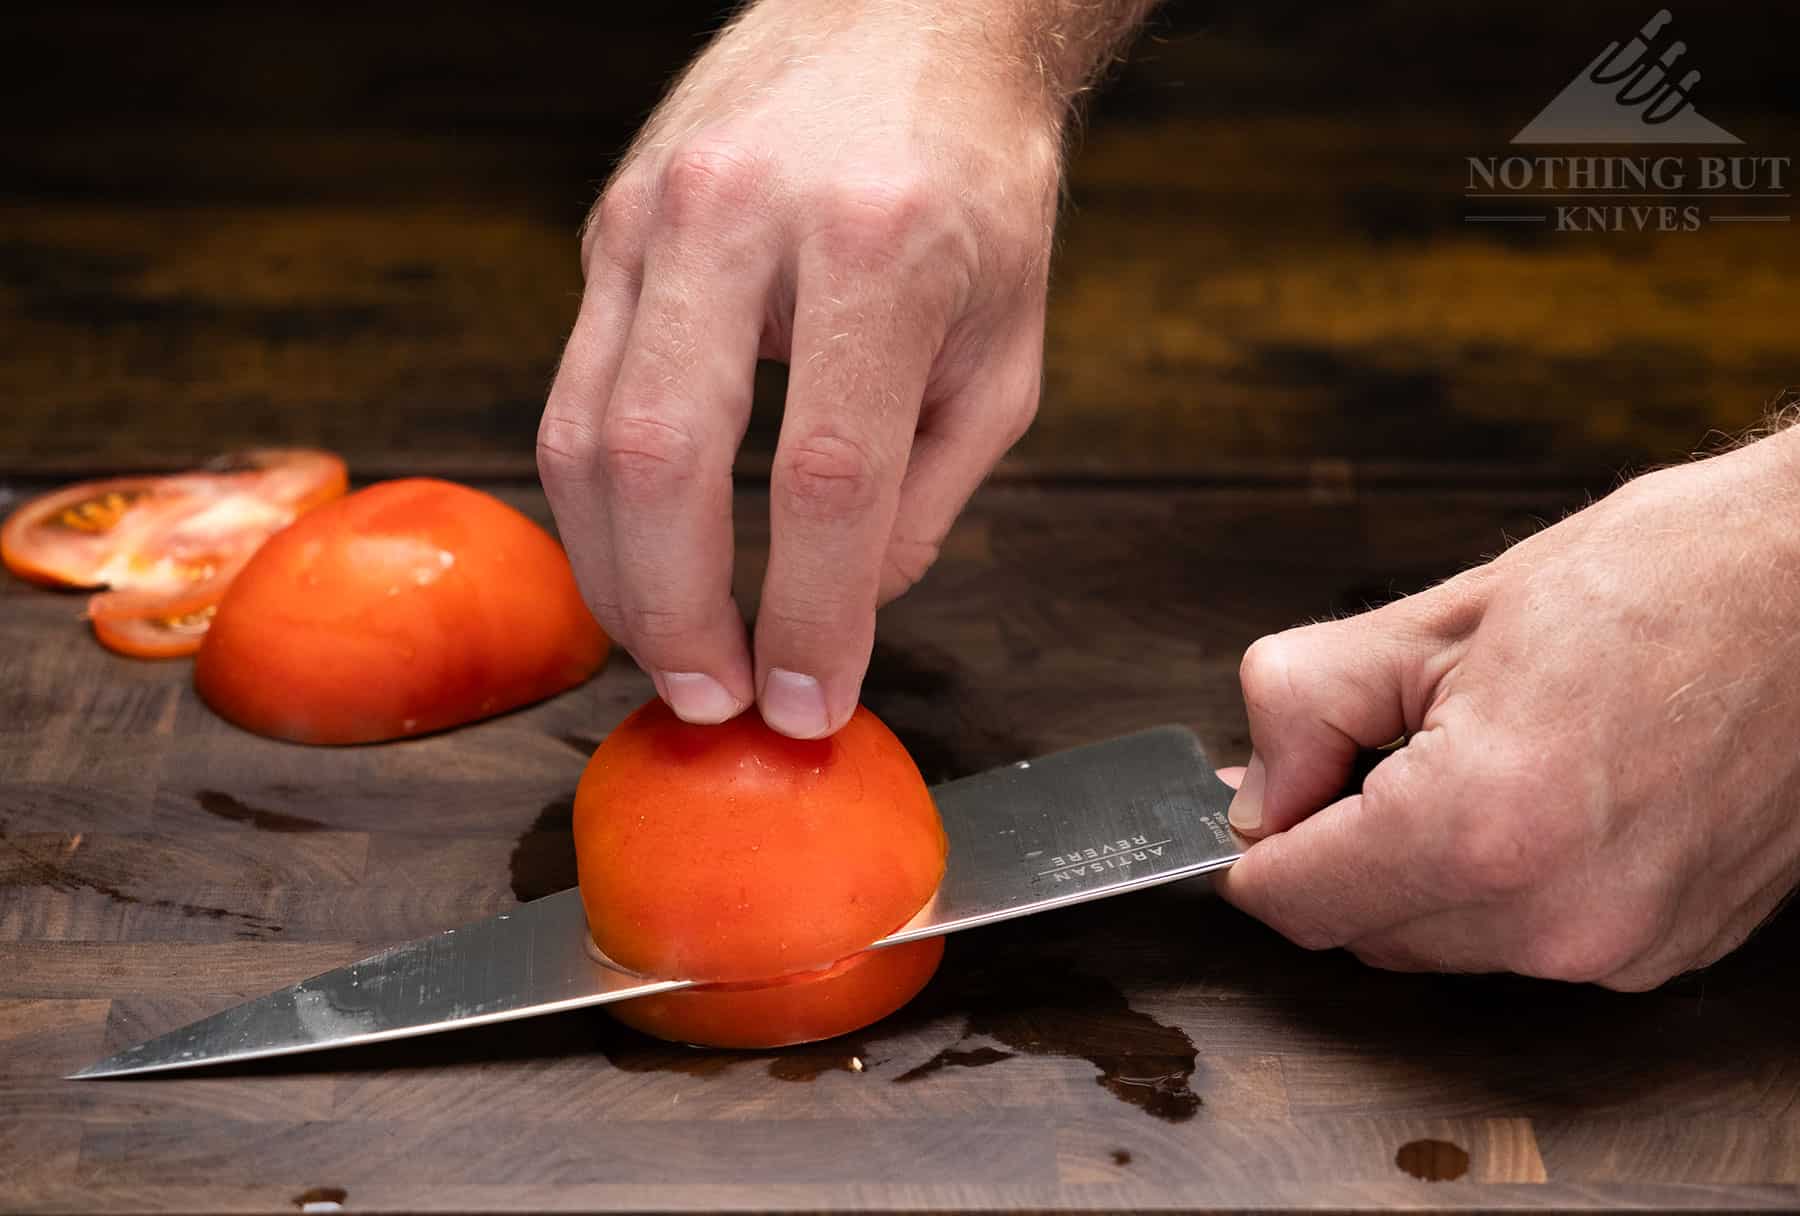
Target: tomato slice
{"points": [[164, 547]]}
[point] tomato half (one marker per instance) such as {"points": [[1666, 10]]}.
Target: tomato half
{"points": [[405, 608], [165, 547], [733, 853], [864, 988]]}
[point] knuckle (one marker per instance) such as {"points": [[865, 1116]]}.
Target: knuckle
{"points": [[1581, 953], [1629, 950], [611, 615], [1266, 672], [1385, 957], [1293, 914], [565, 447], [1507, 832], [1391, 792], [708, 179], [614, 225], [1497, 855], [874, 217], [803, 619], [1311, 935], [652, 627], [828, 476], [1023, 414], [646, 459], [1636, 980], [908, 560]]}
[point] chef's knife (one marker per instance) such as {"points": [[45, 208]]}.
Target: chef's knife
{"points": [[1082, 824]]}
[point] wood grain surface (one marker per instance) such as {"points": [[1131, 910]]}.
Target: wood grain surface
{"points": [[1156, 1050], [1284, 380]]}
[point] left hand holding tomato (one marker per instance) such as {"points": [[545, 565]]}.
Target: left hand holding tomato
{"points": [[866, 192], [1602, 781]]}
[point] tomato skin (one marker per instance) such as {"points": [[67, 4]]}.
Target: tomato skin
{"points": [[864, 988], [733, 853], [405, 608]]}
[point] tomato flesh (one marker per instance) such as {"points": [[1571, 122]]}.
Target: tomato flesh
{"points": [[164, 547], [404, 608]]}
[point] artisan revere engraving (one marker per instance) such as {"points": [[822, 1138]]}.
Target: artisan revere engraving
{"points": [[1113, 855]]}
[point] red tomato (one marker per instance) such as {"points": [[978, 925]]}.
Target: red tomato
{"points": [[864, 988], [167, 547], [404, 608], [733, 853]]}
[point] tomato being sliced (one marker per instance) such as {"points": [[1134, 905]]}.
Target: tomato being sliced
{"points": [[164, 547], [762, 866], [732, 853], [404, 608]]}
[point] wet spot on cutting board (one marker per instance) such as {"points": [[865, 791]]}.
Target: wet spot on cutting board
{"points": [[321, 1199], [809, 1064], [640, 1053], [1433, 1160], [1037, 1006], [543, 858], [1010, 1002], [221, 805], [950, 1057]]}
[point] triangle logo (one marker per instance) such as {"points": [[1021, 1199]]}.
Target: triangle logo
{"points": [[1629, 95]]}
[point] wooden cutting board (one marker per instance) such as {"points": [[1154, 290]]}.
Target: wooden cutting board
{"points": [[1156, 1050]]}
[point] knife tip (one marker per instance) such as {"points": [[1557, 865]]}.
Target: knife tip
{"points": [[109, 1067]]}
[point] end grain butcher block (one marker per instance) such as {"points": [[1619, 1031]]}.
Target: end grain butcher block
{"points": [[1154, 1050]]}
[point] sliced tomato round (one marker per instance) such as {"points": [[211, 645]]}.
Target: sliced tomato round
{"points": [[165, 548]]}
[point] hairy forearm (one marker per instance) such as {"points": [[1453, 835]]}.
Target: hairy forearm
{"points": [[1064, 45], [1046, 52]]}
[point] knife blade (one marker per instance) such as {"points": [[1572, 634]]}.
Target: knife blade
{"points": [[1082, 824]]}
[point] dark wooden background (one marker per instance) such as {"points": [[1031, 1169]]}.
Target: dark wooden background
{"points": [[1284, 381], [355, 225]]}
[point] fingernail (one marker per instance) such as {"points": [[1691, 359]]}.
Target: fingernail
{"points": [[794, 704], [697, 697], [1247, 804]]}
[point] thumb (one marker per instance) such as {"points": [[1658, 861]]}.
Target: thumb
{"points": [[1316, 697]]}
